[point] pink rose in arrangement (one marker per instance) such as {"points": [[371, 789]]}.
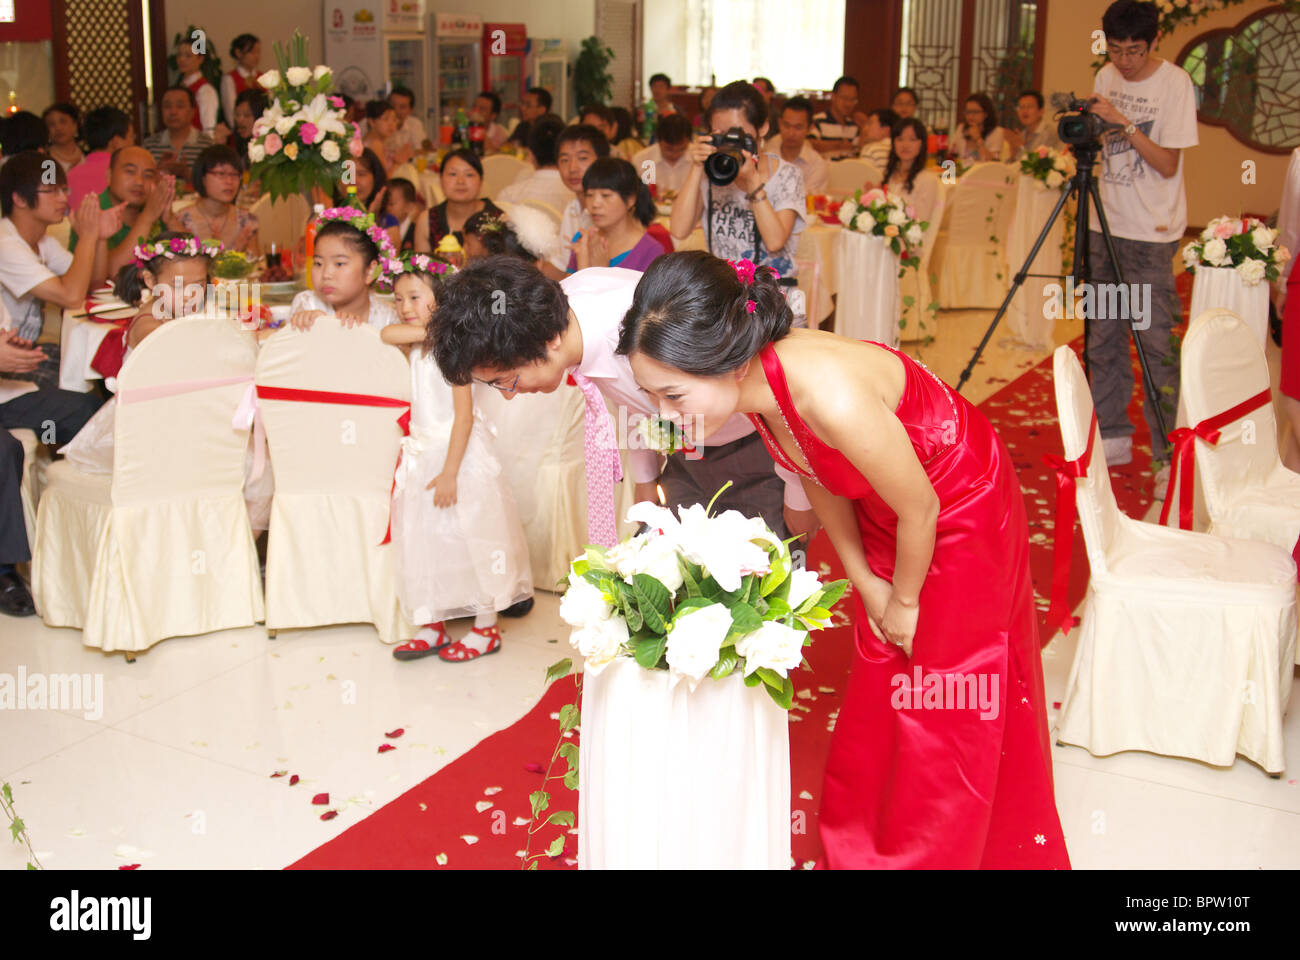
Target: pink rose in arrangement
{"points": [[273, 143], [336, 102], [1223, 230], [355, 147], [1042, 151], [872, 196], [308, 133]]}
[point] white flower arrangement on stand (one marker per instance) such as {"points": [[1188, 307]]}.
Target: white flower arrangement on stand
{"points": [[1246, 245], [880, 213], [1052, 168]]}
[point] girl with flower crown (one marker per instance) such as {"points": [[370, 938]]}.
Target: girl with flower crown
{"points": [[349, 255], [458, 542]]}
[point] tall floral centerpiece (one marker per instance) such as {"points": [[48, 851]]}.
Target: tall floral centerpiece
{"points": [[302, 140], [1233, 262]]}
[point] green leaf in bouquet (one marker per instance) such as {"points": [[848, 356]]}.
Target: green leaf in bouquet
{"points": [[649, 651], [744, 619], [594, 577], [540, 800], [753, 679], [784, 697], [580, 566], [596, 557], [777, 608], [818, 613], [562, 817], [654, 601], [631, 609], [727, 661], [779, 573], [557, 670], [832, 592], [556, 847], [691, 603], [691, 576], [570, 717], [770, 677], [761, 606]]}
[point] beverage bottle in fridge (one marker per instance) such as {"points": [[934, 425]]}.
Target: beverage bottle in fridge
{"points": [[445, 131], [477, 137], [461, 136]]}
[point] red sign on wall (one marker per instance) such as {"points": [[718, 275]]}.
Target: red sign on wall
{"points": [[31, 23]]}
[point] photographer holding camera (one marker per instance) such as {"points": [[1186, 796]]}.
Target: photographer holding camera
{"points": [[1153, 102], [751, 205]]}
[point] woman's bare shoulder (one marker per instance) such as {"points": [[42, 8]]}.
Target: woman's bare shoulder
{"points": [[831, 376]]}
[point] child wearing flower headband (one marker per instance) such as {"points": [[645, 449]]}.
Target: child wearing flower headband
{"points": [[458, 543], [350, 254]]}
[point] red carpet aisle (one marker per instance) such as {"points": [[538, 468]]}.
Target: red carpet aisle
{"points": [[473, 813]]}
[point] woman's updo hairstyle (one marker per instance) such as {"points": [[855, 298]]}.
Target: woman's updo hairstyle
{"points": [[691, 312], [741, 95]]}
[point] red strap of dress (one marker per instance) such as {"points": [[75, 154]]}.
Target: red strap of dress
{"points": [[1067, 472], [1183, 464], [351, 399]]}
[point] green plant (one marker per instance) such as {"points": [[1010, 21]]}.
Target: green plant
{"points": [[592, 81], [17, 829]]}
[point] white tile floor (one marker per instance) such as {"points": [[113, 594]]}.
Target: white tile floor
{"points": [[172, 768]]}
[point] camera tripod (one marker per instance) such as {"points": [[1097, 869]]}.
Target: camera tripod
{"points": [[1084, 186]]}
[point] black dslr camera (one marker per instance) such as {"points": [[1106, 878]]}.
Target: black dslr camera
{"points": [[724, 166], [1078, 125]]}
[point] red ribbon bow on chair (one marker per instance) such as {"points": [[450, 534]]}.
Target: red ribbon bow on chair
{"points": [[1067, 472], [1184, 459]]}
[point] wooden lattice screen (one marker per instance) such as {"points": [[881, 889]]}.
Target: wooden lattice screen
{"points": [[98, 50]]}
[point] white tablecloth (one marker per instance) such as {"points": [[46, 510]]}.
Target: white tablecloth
{"points": [[869, 302], [671, 779], [1027, 319], [78, 341], [1222, 287]]}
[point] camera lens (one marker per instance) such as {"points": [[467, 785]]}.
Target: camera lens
{"points": [[722, 167]]}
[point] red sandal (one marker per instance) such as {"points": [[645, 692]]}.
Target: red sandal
{"points": [[415, 649], [459, 653]]}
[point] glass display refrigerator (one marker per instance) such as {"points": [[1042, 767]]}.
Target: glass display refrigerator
{"points": [[548, 66], [457, 39], [372, 46], [504, 48]]}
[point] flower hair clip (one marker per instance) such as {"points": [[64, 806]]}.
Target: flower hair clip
{"points": [[750, 306], [416, 263], [744, 271], [187, 246], [365, 223]]}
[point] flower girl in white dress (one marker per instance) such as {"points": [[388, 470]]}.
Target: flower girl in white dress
{"points": [[460, 548], [346, 260]]}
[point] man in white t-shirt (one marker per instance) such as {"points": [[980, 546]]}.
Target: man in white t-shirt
{"points": [[578, 147], [1142, 193], [410, 131], [547, 330], [543, 184], [667, 156], [793, 146]]}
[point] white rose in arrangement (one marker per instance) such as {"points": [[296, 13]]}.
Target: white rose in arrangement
{"points": [[320, 71], [722, 544], [583, 604], [298, 76], [847, 211], [329, 151], [256, 153], [656, 558], [803, 584], [270, 80], [1251, 271], [694, 641], [284, 125], [1215, 252], [915, 234], [896, 216], [864, 222], [1190, 257], [600, 642], [1054, 179], [1263, 238], [774, 646]]}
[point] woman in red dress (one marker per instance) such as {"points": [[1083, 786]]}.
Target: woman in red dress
{"points": [[940, 756]]}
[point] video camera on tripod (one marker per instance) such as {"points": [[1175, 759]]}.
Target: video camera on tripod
{"points": [[1077, 125]]}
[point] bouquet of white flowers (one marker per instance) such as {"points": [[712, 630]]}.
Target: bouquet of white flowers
{"points": [[884, 214], [302, 140], [1052, 168], [698, 595], [1245, 245]]}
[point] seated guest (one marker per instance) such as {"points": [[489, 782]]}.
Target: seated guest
{"points": [[381, 127], [905, 171], [21, 132], [604, 120], [178, 144], [792, 144], [544, 183], [579, 146], [837, 131], [145, 200], [410, 132], [706, 103], [403, 205], [625, 139], [668, 155], [620, 208], [904, 103], [765, 90], [461, 178], [369, 181], [249, 106], [1036, 130], [979, 139], [107, 130], [535, 104], [216, 216], [246, 51], [205, 113], [487, 107], [63, 122], [35, 268], [660, 86], [875, 138]]}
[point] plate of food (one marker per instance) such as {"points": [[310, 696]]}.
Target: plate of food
{"points": [[233, 266]]}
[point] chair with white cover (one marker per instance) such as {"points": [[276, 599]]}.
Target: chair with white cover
{"points": [[162, 547], [1187, 640], [281, 222], [499, 171], [326, 561], [918, 321], [975, 273], [847, 176]]}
